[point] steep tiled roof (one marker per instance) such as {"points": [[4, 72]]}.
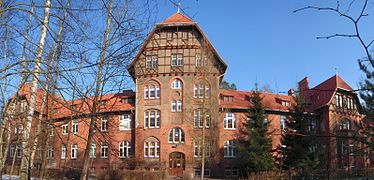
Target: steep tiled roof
{"points": [[241, 100], [113, 102], [177, 18], [323, 93]]}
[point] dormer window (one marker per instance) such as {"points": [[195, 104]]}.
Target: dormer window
{"points": [[285, 103], [227, 98], [177, 60]]}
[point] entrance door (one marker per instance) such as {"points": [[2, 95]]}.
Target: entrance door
{"points": [[176, 164]]}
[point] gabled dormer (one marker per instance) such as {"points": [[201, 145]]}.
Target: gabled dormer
{"points": [[176, 46]]}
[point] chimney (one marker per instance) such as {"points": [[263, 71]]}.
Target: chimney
{"points": [[291, 92]]}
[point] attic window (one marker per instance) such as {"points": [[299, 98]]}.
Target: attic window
{"points": [[285, 103], [169, 36], [127, 100], [184, 35], [227, 98]]}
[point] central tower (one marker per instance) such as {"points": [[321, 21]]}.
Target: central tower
{"points": [[177, 73]]}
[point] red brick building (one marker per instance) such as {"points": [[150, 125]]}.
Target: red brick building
{"points": [[177, 73]]}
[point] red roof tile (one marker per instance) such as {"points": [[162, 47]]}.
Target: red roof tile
{"points": [[241, 100], [177, 18]]}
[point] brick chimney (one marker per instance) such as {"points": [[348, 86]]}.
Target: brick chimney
{"points": [[304, 84], [291, 92]]}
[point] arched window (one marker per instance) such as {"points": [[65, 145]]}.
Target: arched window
{"points": [[151, 148], [152, 119], [176, 135], [201, 89], [229, 121], [177, 84], [152, 90], [345, 124], [124, 149]]}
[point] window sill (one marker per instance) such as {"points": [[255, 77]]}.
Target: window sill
{"points": [[229, 128]]}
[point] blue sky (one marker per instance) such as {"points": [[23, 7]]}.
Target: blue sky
{"points": [[264, 41]]}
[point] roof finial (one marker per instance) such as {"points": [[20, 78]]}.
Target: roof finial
{"points": [[179, 6], [336, 71]]}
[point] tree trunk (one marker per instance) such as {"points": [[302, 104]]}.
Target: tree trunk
{"points": [[84, 175], [30, 114]]}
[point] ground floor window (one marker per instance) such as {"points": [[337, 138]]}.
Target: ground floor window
{"points": [[231, 172], [197, 172]]}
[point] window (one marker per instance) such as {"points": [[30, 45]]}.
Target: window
{"points": [[169, 36], [198, 150], [152, 92], [312, 126], [125, 122], [23, 105], [63, 151], [74, 151], [151, 61], [151, 148], [50, 152], [197, 172], [339, 100], [18, 129], [64, 129], [229, 149], [312, 148], [124, 149], [93, 151], [51, 130], [177, 60], [19, 151], [229, 121], [176, 106], [227, 98], [283, 120], [104, 150], [231, 172], [11, 150], [74, 127], [345, 125], [198, 60], [199, 90], [199, 120], [176, 135], [152, 119], [104, 123], [184, 35], [176, 84], [285, 103]]}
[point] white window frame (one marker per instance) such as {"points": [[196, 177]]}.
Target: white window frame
{"points": [[176, 84], [12, 150], [125, 121], [74, 151], [64, 129], [104, 123], [50, 152], [199, 90], [152, 92], [93, 150], [152, 115], [19, 151], [177, 59], [229, 149], [198, 60], [63, 151], [179, 106], [229, 121], [283, 125], [198, 150], [173, 106], [198, 119], [74, 126], [124, 149], [154, 146], [104, 153], [176, 136]]}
